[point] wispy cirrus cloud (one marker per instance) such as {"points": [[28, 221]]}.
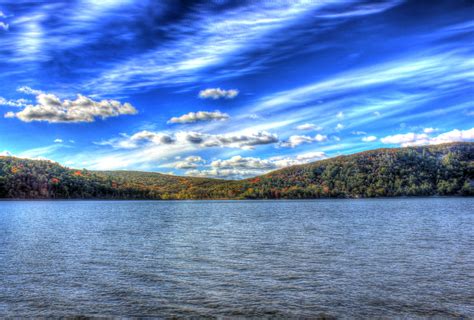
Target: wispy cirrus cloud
{"points": [[30, 91], [297, 70], [223, 38], [14, 102], [309, 127]]}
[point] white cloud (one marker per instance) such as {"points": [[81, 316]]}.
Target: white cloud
{"points": [[58, 141], [30, 91], [51, 109], [296, 140], [369, 139], [415, 139], [195, 139], [404, 139], [222, 173], [17, 103], [453, 136], [217, 93], [190, 162], [4, 26], [311, 156], [244, 141], [429, 130], [339, 127], [156, 138], [340, 115], [239, 162], [199, 116], [359, 133], [238, 167], [302, 158], [6, 154], [309, 127]]}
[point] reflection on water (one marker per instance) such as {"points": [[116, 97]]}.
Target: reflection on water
{"points": [[344, 258]]}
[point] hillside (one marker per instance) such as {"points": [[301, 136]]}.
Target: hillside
{"points": [[446, 169]]}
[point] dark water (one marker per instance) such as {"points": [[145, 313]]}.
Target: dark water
{"points": [[395, 258]]}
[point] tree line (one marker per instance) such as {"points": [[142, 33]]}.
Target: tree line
{"points": [[443, 170]]}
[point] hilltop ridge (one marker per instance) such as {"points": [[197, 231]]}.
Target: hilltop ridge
{"points": [[446, 169]]}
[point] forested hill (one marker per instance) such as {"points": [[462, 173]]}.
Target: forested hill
{"points": [[446, 169]]}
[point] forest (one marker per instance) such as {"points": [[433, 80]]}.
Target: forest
{"points": [[439, 170]]}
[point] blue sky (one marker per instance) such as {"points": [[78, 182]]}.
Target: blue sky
{"points": [[231, 89]]}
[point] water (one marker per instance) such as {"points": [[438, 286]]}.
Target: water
{"points": [[384, 258]]}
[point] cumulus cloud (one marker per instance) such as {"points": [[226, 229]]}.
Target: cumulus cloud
{"points": [[51, 108], [339, 127], [429, 130], [58, 141], [238, 167], [239, 162], [244, 141], [405, 138], [311, 156], [199, 116], [222, 173], [416, 139], [217, 93], [453, 136], [369, 139], [192, 138], [296, 140], [154, 137], [302, 158], [190, 162], [309, 127]]}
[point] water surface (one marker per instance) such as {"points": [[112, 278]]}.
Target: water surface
{"points": [[389, 258]]}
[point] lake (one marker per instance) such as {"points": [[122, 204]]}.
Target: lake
{"points": [[389, 258]]}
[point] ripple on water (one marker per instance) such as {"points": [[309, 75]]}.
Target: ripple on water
{"points": [[381, 258]]}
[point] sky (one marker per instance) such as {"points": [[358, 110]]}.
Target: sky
{"points": [[231, 89]]}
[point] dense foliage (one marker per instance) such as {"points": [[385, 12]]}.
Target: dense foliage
{"points": [[416, 171]]}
